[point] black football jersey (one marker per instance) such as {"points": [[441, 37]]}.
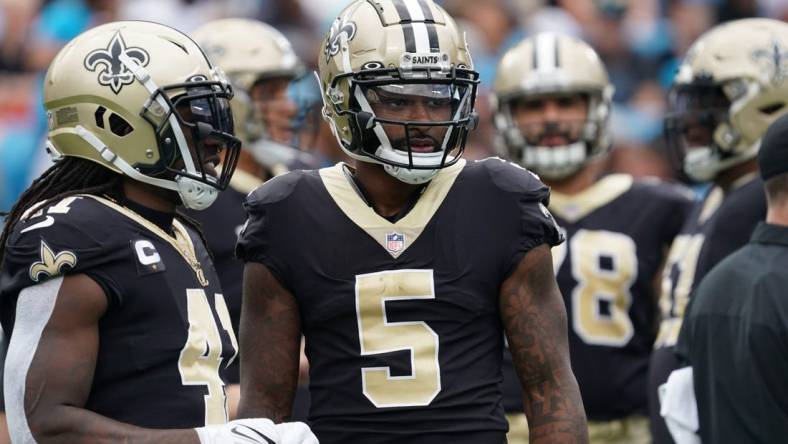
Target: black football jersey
{"points": [[221, 223], [166, 337], [717, 226], [618, 232], [401, 320]]}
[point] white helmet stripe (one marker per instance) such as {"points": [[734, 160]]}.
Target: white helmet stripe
{"points": [[546, 52], [419, 27]]}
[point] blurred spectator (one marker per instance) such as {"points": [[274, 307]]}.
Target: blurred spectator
{"points": [[22, 122], [640, 41]]}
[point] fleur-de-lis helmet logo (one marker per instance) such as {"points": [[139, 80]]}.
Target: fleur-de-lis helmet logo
{"points": [[338, 28], [775, 59], [113, 72], [51, 264]]}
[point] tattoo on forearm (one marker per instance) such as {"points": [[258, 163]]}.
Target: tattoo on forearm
{"points": [[270, 344], [534, 316]]}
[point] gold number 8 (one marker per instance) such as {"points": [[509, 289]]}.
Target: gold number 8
{"points": [[604, 264]]}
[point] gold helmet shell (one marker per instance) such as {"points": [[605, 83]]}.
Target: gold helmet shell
{"points": [[113, 94], [395, 42], [248, 51], [548, 64], [745, 63]]}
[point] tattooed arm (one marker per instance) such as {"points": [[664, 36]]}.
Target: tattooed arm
{"points": [[534, 318], [270, 340], [47, 400]]}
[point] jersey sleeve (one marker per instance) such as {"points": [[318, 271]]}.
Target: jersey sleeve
{"points": [[61, 240], [268, 210], [529, 198], [677, 202], [739, 215]]}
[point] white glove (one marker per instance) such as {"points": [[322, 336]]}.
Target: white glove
{"points": [[240, 431], [295, 433], [679, 406]]}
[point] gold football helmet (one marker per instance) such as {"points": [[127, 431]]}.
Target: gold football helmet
{"points": [[731, 86], [140, 98], [248, 51], [398, 86], [549, 64]]}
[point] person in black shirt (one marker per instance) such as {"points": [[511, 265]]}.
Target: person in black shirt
{"points": [[118, 328], [727, 91], [616, 245], [735, 332]]}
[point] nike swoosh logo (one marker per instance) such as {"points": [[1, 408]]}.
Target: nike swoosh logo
{"points": [[235, 430], [48, 222]]}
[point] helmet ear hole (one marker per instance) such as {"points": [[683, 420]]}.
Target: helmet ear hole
{"points": [[119, 126], [772, 108], [99, 116]]}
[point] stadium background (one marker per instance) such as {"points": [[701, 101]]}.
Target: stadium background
{"points": [[640, 41]]}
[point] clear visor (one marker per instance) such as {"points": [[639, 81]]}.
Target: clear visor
{"points": [[419, 103], [420, 118], [205, 123]]}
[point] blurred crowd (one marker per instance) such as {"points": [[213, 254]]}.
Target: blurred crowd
{"points": [[640, 41]]}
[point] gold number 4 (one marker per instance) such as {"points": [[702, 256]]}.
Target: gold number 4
{"points": [[377, 335], [604, 265], [201, 356], [677, 279]]}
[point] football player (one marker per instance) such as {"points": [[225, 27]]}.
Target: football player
{"points": [[261, 65], [732, 85], [118, 327], [552, 101], [404, 271]]}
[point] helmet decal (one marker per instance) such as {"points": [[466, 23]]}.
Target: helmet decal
{"points": [[338, 28], [774, 59], [418, 26], [113, 72]]}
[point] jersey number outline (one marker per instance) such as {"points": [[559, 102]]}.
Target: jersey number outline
{"points": [[596, 284], [201, 356], [677, 280], [377, 335]]}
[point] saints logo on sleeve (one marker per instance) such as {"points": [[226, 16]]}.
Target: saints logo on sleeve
{"points": [[51, 263]]}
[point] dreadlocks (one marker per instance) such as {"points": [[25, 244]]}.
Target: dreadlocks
{"points": [[67, 177]]}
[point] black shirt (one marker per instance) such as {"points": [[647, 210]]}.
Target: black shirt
{"points": [[717, 226], [401, 319], [735, 336], [618, 232], [165, 338]]}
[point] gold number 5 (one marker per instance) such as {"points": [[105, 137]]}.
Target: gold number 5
{"points": [[378, 335]]}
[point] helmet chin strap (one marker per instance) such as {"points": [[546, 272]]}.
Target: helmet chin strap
{"points": [[194, 194], [413, 177], [702, 164], [555, 162]]}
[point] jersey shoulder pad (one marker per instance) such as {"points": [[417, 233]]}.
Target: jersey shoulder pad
{"points": [[72, 235], [510, 177], [278, 188]]}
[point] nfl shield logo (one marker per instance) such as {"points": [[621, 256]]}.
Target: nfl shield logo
{"points": [[395, 242]]}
